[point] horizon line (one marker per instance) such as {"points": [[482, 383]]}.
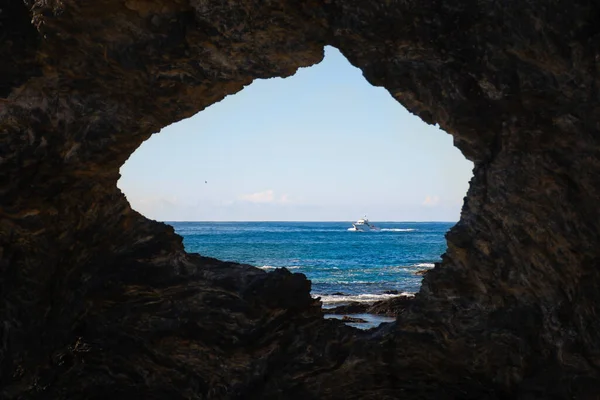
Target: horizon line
{"points": [[167, 221]]}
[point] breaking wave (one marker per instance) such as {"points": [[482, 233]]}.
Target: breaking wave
{"points": [[270, 267], [360, 298], [424, 265]]}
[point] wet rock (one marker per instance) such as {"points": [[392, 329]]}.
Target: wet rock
{"points": [[390, 307], [351, 308], [354, 320]]}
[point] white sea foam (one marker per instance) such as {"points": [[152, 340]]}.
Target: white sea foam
{"points": [[361, 298], [270, 267], [409, 268], [424, 265], [385, 230]]}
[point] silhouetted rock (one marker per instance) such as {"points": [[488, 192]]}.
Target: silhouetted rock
{"points": [[351, 308], [391, 307], [391, 292], [100, 302]]}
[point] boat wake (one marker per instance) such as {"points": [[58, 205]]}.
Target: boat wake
{"points": [[353, 229]]}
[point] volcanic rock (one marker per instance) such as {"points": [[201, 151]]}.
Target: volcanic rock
{"points": [[353, 307], [100, 302], [391, 307], [354, 320]]}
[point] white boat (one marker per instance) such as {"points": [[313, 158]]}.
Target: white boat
{"points": [[363, 225]]}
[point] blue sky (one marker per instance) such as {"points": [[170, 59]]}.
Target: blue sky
{"points": [[322, 145]]}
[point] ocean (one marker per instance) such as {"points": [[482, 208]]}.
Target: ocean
{"points": [[343, 265]]}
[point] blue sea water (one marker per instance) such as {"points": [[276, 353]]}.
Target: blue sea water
{"points": [[342, 265]]}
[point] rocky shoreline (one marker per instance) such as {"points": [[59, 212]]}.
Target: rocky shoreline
{"points": [[391, 307], [100, 302]]}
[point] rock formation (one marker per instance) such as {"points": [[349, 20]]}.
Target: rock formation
{"points": [[99, 302], [355, 320], [391, 307]]}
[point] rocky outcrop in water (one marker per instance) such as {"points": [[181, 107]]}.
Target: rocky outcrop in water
{"points": [[354, 320], [98, 301], [391, 307]]}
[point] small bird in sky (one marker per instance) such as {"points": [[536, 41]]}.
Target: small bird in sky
{"points": [[205, 182]]}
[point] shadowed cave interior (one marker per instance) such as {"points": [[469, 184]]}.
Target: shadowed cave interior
{"points": [[98, 301]]}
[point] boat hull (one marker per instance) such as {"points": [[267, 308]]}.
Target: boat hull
{"points": [[362, 228], [363, 225]]}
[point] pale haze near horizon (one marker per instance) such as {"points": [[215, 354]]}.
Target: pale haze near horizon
{"points": [[322, 145]]}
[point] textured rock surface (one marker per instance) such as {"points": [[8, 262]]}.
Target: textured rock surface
{"points": [[355, 320], [98, 301], [390, 307]]}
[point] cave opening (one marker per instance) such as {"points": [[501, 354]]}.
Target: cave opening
{"points": [[274, 176], [100, 302]]}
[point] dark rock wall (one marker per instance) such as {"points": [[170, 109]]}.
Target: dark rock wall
{"points": [[98, 301]]}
